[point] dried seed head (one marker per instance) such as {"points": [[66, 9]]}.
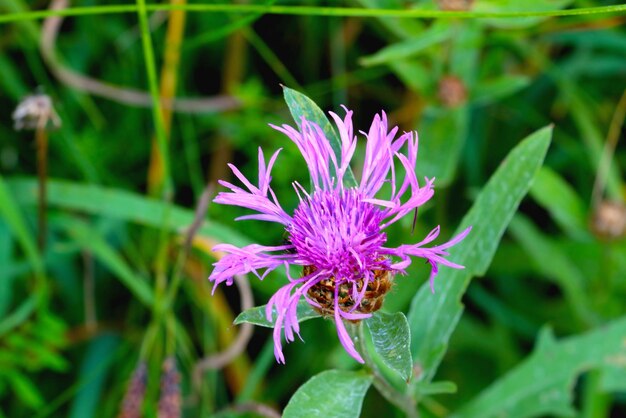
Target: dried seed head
{"points": [[324, 291], [452, 92], [455, 5], [609, 220], [35, 112], [133, 399], [170, 400]]}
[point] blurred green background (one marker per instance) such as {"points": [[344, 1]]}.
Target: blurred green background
{"points": [[80, 315]]}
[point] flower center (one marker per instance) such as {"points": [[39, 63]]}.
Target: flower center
{"points": [[368, 301], [338, 234]]}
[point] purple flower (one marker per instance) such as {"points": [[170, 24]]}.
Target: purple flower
{"points": [[337, 233]]}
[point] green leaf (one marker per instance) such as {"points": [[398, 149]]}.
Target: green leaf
{"points": [[434, 35], [541, 385], [492, 90], [256, 315], [435, 388], [118, 204], [442, 134], [413, 74], [443, 131], [6, 260], [301, 106], [559, 198], [465, 55], [25, 389], [93, 372], [613, 379], [19, 315], [130, 207], [9, 210], [584, 113], [333, 393], [90, 238], [392, 341], [513, 6], [433, 318], [552, 262]]}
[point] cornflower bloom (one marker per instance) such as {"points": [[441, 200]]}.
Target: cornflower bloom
{"points": [[337, 233]]}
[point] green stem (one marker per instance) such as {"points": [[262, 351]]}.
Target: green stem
{"points": [[157, 111], [165, 189], [596, 403], [309, 11]]}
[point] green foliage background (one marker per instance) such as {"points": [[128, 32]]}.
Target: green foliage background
{"points": [[543, 331]]}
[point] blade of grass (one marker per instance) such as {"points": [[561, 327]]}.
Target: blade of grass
{"points": [[10, 212], [551, 370], [310, 11], [90, 238], [130, 207], [157, 170]]}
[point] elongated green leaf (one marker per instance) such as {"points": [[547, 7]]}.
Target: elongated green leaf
{"points": [[505, 6], [442, 134], [413, 74], [435, 388], [93, 372], [256, 315], [432, 318], [583, 112], [6, 260], [492, 90], [301, 106], [19, 315], [437, 33], [10, 212], [25, 389], [392, 341], [117, 204], [553, 263], [92, 239], [542, 384], [130, 207], [560, 199], [443, 131], [333, 393]]}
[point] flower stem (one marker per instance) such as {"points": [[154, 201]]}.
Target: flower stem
{"points": [[403, 401], [41, 139]]}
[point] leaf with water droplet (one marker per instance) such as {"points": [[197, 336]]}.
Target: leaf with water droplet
{"points": [[391, 336]]}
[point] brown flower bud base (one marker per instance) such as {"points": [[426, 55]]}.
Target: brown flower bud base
{"points": [[452, 92], [455, 5], [324, 293], [609, 220]]}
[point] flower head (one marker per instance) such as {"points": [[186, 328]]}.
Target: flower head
{"points": [[336, 235], [35, 112]]}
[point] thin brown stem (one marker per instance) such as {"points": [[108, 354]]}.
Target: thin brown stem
{"points": [[124, 95], [41, 143], [201, 209], [219, 360]]}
